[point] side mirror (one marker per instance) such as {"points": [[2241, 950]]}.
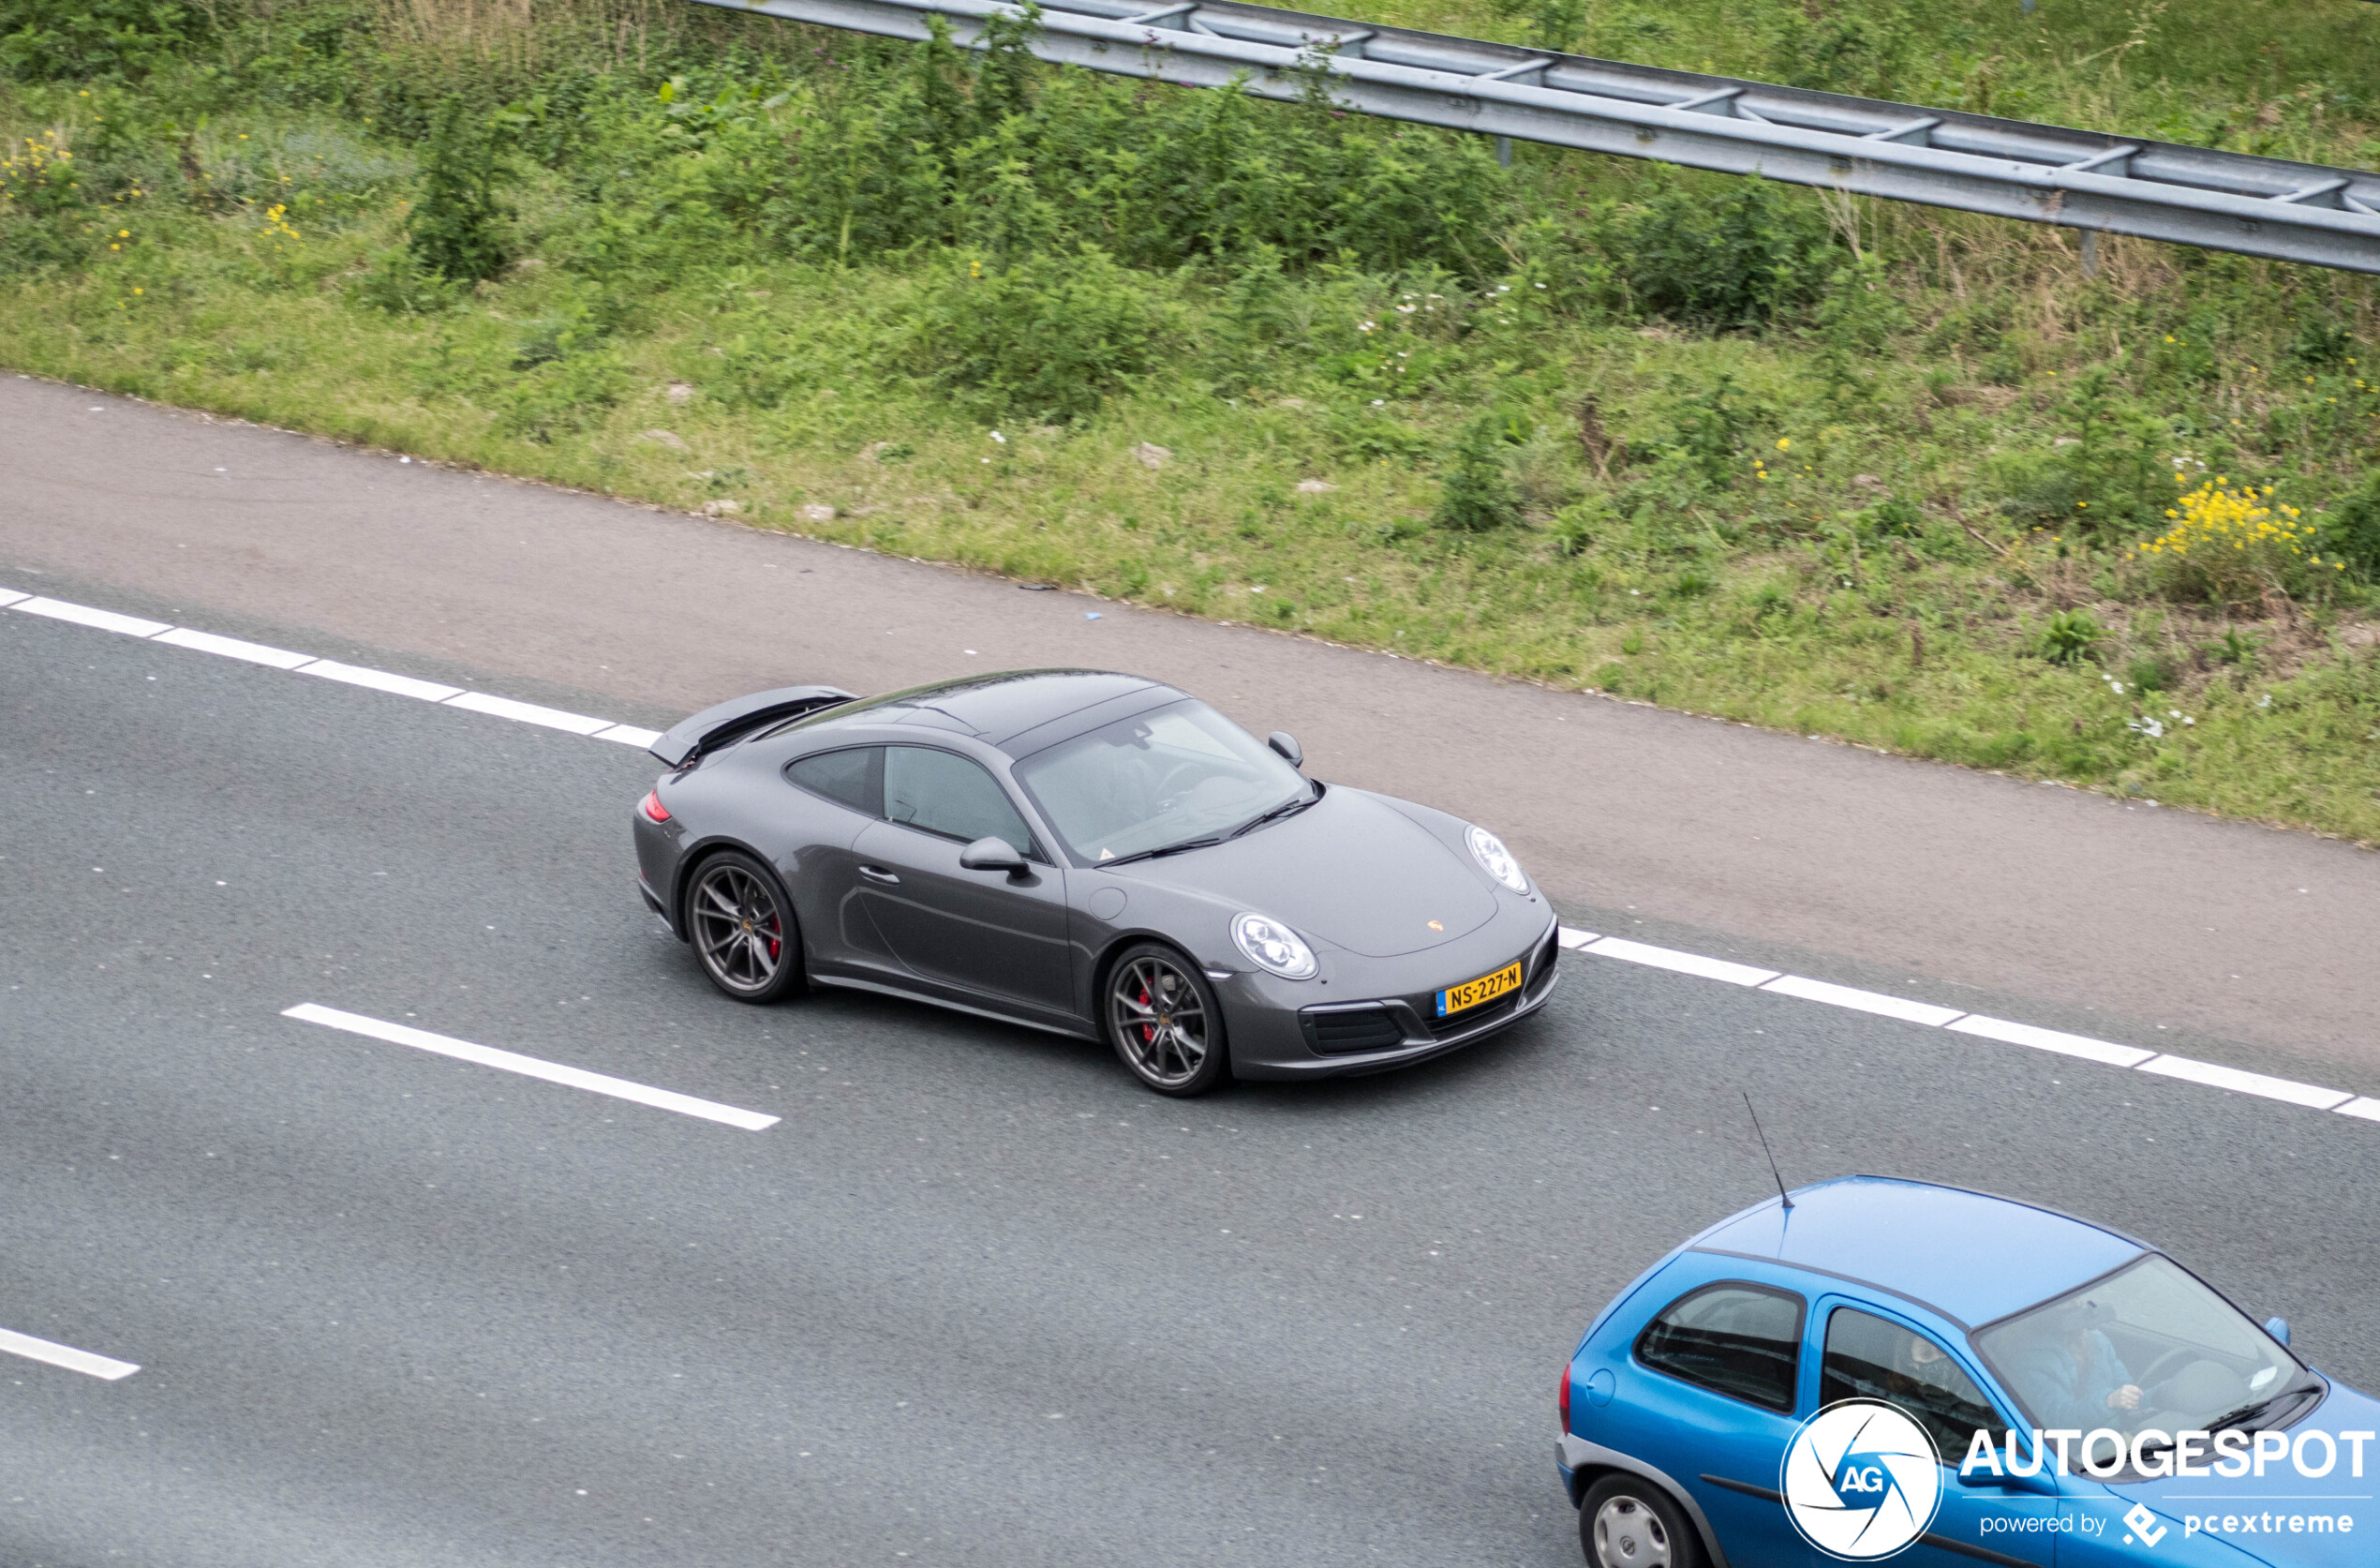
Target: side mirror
{"points": [[992, 854], [1286, 744], [2278, 1328], [2038, 1484]]}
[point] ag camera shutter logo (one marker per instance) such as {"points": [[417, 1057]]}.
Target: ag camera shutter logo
{"points": [[1862, 1480]]}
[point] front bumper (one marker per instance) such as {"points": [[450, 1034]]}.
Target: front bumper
{"points": [[1272, 1024]]}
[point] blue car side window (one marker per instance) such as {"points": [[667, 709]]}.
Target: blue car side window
{"points": [[1870, 1358], [1736, 1338]]}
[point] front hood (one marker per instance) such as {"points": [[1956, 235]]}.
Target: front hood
{"points": [[2262, 1510], [1350, 870]]}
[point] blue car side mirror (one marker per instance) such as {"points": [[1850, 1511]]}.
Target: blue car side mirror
{"points": [[2040, 1483], [2278, 1328]]}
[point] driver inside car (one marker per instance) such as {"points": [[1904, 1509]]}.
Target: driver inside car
{"points": [[2071, 1375]]}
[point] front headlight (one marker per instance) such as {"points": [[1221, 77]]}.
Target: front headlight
{"points": [[1273, 946], [1496, 859]]}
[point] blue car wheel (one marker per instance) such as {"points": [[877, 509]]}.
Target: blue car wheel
{"points": [[1626, 1522]]}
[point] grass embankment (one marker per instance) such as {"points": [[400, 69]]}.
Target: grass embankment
{"points": [[1840, 468]]}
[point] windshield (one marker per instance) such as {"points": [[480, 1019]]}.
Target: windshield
{"points": [[2148, 1348], [1161, 778]]}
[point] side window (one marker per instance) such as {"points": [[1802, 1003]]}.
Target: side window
{"points": [[1744, 1340], [854, 777], [1869, 1357], [945, 793]]}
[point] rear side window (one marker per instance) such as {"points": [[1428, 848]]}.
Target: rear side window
{"points": [[854, 777], [945, 793], [1869, 1357], [1738, 1339]]}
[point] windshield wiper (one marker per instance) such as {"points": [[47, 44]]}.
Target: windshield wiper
{"points": [[1291, 807], [1165, 849], [2246, 1414]]}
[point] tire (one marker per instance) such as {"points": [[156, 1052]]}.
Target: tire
{"points": [[1161, 1016], [1625, 1521], [741, 926]]}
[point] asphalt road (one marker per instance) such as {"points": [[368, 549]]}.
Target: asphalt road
{"points": [[976, 1299], [2114, 918]]}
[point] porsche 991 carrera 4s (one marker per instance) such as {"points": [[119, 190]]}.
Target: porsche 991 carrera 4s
{"points": [[1091, 853]]}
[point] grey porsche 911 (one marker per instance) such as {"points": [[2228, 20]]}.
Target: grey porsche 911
{"points": [[1094, 854]]}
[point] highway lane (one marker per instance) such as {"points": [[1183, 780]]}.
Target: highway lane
{"points": [[2125, 916], [977, 1298]]}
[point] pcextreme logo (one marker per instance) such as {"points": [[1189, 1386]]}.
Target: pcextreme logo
{"points": [[1862, 1480]]}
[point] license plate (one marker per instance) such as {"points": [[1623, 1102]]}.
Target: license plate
{"points": [[1487, 988]]}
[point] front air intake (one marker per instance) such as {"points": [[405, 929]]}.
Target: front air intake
{"points": [[1345, 1031]]}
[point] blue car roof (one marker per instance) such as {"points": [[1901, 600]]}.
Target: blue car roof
{"points": [[1970, 1256]]}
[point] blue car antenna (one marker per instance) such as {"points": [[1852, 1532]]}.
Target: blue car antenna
{"points": [[1783, 1196]]}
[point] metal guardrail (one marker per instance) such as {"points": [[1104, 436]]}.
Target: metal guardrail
{"points": [[2087, 180]]}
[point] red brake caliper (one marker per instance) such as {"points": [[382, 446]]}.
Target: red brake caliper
{"points": [[1148, 1031]]}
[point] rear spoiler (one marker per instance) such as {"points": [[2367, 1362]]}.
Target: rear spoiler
{"points": [[715, 726]]}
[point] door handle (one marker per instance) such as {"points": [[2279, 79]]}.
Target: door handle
{"points": [[878, 874]]}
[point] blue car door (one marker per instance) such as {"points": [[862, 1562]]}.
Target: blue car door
{"points": [[1871, 1350], [1714, 1394]]}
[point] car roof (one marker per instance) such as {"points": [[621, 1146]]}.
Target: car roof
{"points": [[1970, 1256], [1003, 705]]}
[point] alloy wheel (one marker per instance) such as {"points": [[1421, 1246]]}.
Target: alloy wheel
{"points": [[738, 927], [1161, 1021]]}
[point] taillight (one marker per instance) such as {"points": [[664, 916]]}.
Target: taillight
{"points": [[652, 808], [1566, 1397]]}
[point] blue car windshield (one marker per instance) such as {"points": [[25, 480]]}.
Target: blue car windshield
{"points": [[1168, 776], [2148, 1347]]}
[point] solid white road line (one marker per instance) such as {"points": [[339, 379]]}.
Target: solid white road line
{"points": [[1570, 936], [2368, 1109], [553, 1073], [84, 615], [629, 735], [2051, 1039], [528, 713], [1685, 964], [381, 681], [232, 648], [2241, 1083], [65, 1356], [1862, 1001], [11, 596]]}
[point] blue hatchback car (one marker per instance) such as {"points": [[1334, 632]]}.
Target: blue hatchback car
{"points": [[1884, 1368]]}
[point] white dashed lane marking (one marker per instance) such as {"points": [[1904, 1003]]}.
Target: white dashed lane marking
{"points": [[84, 615], [529, 1066], [330, 669], [2241, 1083], [232, 648], [2051, 1039], [1684, 964], [1932, 1015], [528, 713], [381, 681], [65, 1356], [1926, 1014], [1862, 1001]]}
